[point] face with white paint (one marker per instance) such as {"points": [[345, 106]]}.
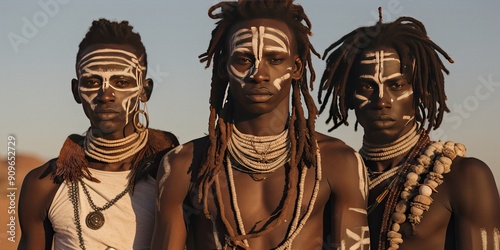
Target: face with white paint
{"points": [[111, 83], [262, 62], [383, 97]]}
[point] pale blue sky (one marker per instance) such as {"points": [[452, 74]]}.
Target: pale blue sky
{"points": [[39, 41]]}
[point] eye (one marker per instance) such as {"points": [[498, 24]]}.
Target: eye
{"points": [[90, 82], [276, 60], [365, 87], [121, 83], [242, 60], [396, 86]]}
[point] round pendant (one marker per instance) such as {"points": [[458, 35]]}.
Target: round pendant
{"points": [[94, 220]]}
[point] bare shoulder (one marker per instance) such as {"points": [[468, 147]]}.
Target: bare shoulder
{"points": [[38, 190], [41, 178], [341, 165], [187, 154], [335, 153], [470, 171], [183, 162], [472, 187]]}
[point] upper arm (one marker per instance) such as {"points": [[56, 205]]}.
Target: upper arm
{"points": [[348, 181], [35, 198], [475, 203], [173, 181]]}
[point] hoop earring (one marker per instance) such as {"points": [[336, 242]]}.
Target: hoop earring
{"points": [[137, 124]]}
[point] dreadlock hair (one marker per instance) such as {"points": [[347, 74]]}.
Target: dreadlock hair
{"points": [[104, 31], [420, 64], [301, 130]]}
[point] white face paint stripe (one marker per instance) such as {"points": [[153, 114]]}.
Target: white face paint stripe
{"points": [[405, 94], [257, 47], [279, 40], [379, 72], [362, 98], [257, 50], [242, 50], [109, 51], [282, 46], [277, 82], [380, 58], [112, 57]]}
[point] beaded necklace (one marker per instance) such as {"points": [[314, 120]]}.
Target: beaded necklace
{"points": [[112, 151], [427, 161], [435, 161], [297, 222], [374, 152], [259, 154]]}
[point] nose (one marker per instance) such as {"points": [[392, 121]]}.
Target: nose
{"points": [[260, 73], [382, 99], [106, 94]]}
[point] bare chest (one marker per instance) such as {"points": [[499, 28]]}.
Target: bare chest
{"points": [[269, 207]]}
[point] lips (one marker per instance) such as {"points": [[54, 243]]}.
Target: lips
{"points": [[106, 113], [383, 118], [382, 121], [259, 95]]}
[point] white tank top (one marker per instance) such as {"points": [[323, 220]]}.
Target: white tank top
{"points": [[128, 223]]}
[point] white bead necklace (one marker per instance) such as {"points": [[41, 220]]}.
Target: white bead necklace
{"points": [[111, 151], [373, 152], [259, 154], [431, 165], [297, 222]]}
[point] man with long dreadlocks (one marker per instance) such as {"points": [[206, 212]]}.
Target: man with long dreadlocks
{"points": [[100, 192], [263, 177], [423, 194]]}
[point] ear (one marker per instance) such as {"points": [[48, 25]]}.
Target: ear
{"points": [[147, 89], [298, 69], [74, 89]]}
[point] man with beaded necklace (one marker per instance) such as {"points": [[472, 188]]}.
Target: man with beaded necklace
{"points": [[99, 193], [423, 194], [263, 178]]}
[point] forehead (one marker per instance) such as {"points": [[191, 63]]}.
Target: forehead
{"points": [[109, 52], [278, 25], [380, 60]]}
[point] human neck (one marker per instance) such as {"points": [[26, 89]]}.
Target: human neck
{"points": [[114, 151], [263, 125], [383, 156]]}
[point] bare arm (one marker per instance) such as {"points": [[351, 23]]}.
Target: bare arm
{"points": [[476, 205], [347, 177], [37, 193], [173, 183]]}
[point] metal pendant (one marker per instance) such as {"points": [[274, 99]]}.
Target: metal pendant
{"points": [[94, 220]]}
